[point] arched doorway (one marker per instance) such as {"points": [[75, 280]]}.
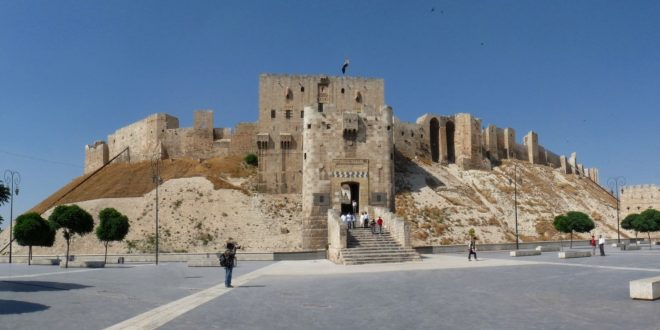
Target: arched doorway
{"points": [[451, 153], [350, 191], [435, 145]]}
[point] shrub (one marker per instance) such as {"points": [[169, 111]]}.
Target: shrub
{"points": [[251, 159]]}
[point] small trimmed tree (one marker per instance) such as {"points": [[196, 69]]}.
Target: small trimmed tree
{"points": [[32, 230], [627, 222], [573, 222], [113, 226], [73, 220], [647, 222]]}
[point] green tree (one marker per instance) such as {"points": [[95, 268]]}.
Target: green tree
{"points": [[251, 159], [573, 222], [113, 226], [73, 220], [32, 230], [627, 222], [647, 222]]}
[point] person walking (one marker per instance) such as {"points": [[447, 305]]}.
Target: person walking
{"points": [[601, 245], [343, 219], [380, 225], [230, 257], [593, 245], [472, 248], [354, 203], [366, 220], [372, 224]]}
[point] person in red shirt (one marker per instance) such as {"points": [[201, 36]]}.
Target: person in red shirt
{"points": [[593, 245], [380, 225]]}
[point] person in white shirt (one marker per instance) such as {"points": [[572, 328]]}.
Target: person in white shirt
{"points": [[361, 223], [343, 219], [601, 245]]}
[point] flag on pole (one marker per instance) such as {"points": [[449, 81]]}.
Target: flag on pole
{"points": [[344, 67]]}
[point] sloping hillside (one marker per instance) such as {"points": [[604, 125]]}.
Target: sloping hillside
{"points": [[443, 202], [134, 180], [204, 202]]}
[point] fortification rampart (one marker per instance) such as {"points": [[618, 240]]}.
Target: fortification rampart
{"points": [[277, 137], [636, 199], [460, 139]]}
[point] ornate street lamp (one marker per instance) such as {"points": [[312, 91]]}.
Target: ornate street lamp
{"points": [[515, 198], [12, 179], [155, 177], [615, 184]]}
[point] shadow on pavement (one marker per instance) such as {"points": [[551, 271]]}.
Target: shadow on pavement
{"points": [[19, 307], [35, 286]]}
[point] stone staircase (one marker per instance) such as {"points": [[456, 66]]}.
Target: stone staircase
{"points": [[367, 248]]}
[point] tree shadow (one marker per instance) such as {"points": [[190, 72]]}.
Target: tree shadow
{"points": [[19, 307], [36, 286]]}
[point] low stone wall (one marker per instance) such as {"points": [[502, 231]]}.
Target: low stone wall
{"points": [[337, 236], [398, 228], [178, 257], [503, 246]]}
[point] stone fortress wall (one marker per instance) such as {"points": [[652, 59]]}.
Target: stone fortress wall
{"points": [[460, 139], [333, 139], [159, 136], [636, 199]]}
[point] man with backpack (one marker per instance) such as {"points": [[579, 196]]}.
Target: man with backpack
{"points": [[228, 260]]}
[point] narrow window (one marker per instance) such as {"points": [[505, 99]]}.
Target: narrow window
{"points": [[302, 88], [272, 113], [342, 91], [302, 114], [309, 126], [287, 114]]}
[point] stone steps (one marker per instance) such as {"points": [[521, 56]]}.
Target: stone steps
{"points": [[363, 247]]}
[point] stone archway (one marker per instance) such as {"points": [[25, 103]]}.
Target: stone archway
{"points": [[435, 139], [350, 191], [450, 128]]}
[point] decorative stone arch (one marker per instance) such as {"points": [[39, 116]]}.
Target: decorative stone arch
{"points": [[450, 131], [434, 136]]}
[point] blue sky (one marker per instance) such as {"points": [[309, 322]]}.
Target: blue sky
{"points": [[585, 75]]}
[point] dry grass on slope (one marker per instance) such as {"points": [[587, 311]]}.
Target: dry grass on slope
{"points": [[134, 180]]}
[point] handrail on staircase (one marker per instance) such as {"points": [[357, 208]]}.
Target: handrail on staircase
{"points": [[6, 246]]}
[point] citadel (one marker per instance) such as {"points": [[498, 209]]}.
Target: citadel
{"points": [[333, 140]]}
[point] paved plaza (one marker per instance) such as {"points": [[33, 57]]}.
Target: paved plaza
{"points": [[443, 292]]}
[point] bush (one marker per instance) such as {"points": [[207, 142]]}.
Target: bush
{"points": [[251, 159]]}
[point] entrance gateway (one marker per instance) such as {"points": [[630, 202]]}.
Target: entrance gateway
{"points": [[350, 191]]}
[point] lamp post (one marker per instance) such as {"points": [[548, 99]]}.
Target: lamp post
{"points": [[155, 171], [515, 198], [12, 179], [616, 183]]}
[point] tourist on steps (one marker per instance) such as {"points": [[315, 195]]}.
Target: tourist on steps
{"points": [[380, 225], [601, 245]]}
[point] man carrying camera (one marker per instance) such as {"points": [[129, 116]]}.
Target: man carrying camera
{"points": [[230, 260]]}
